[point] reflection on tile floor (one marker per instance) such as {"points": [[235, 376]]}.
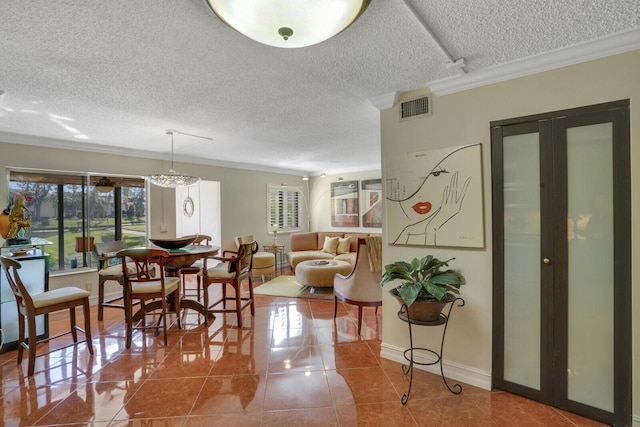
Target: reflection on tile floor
{"points": [[288, 365]]}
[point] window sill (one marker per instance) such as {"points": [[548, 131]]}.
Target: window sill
{"points": [[72, 272]]}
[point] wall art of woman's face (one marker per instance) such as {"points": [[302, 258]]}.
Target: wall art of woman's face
{"points": [[424, 190]]}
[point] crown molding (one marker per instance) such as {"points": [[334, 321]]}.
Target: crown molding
{"points": [[48, 142], [607, 46], [41, 141]]}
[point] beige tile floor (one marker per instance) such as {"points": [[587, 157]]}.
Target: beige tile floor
{"points": [[290, 365]]}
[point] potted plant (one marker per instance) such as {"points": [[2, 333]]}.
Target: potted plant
{"points": [[425, 288]]}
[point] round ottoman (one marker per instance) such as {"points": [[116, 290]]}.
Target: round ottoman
{"points": [[264, 263], [320, 274]]}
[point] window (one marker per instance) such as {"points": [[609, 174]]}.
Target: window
{"points": [[67, 206], [285, 208]]}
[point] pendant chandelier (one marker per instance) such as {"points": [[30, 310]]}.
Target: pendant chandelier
{"points": [[287, 23], [174, 179]]}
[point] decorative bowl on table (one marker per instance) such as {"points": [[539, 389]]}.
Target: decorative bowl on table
{"points": [[177, 243]]}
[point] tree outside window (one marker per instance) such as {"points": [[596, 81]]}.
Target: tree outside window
{"points": [[66, 206]]}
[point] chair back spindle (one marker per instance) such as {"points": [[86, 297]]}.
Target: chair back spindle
{"points": [[10, 268]]}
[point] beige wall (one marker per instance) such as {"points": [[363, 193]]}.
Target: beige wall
{"points": [[464, 118]]}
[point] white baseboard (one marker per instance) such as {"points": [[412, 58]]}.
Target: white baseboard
{"points": [[455, 371]]}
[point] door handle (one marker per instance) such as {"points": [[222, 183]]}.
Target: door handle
{"points": [[546, 260]]}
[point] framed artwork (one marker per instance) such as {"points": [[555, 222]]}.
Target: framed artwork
{"points": [[344, 204], [434, 197], [371, 203]]}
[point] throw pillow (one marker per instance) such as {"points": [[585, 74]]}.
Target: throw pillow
{"points": [[344, 245], [330, 245], [113, 260]]}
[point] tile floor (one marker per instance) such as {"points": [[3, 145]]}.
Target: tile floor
{"points": [[289, 365]]}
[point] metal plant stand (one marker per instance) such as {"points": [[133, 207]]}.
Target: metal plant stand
{"points": [[403, 314]]}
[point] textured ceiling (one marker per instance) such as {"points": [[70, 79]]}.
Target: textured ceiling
{"points": [[113, 75]]}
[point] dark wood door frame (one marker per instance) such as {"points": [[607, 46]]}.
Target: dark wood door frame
{"points": [[552, 128]]}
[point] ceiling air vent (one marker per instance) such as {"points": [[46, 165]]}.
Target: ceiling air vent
{"points": [[415, 108]]}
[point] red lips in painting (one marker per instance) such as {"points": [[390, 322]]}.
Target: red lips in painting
{"points": [[422, 208]]}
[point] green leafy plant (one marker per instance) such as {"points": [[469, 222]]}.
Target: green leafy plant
{"points": [[423, 278]]}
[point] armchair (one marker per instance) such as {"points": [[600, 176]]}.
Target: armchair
{"points": [[362, 286]]}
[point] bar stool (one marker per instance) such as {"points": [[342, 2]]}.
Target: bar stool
{"points": [[194, 269], [29, 306], [263, 263], [109, 268]]}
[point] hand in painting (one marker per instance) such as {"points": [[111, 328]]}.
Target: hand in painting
{"points": [[452, 198]]}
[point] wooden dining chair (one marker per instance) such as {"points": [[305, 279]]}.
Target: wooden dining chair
{"points": [[262, 263], [194, 269], [30, 306], [109, 268], [234, 267], [148, 283]]}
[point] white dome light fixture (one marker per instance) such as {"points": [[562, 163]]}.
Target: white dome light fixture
{"points": [[288, 23]]}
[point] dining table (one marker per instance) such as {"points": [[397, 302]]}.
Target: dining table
{"points": [[180, 258], [185, 257]]}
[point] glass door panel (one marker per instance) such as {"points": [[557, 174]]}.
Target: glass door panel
{"points": [[521, 259], [590, 367]]}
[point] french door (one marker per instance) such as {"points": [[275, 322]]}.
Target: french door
{"points": [[562, 259]]}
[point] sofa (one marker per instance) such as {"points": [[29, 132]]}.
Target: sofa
{"points": [[314, 245]]}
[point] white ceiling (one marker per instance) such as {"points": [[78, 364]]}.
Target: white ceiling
{"points": [[112, 76]]}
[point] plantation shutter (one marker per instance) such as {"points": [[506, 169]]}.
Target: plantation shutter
{"points": [[284, 209]]}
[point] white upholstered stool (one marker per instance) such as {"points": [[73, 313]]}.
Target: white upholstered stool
{"points": [[264, 264]]}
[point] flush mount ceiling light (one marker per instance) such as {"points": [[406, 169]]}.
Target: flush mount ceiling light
{"points": [[104, 185], [174, 179], [287, 23]]}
